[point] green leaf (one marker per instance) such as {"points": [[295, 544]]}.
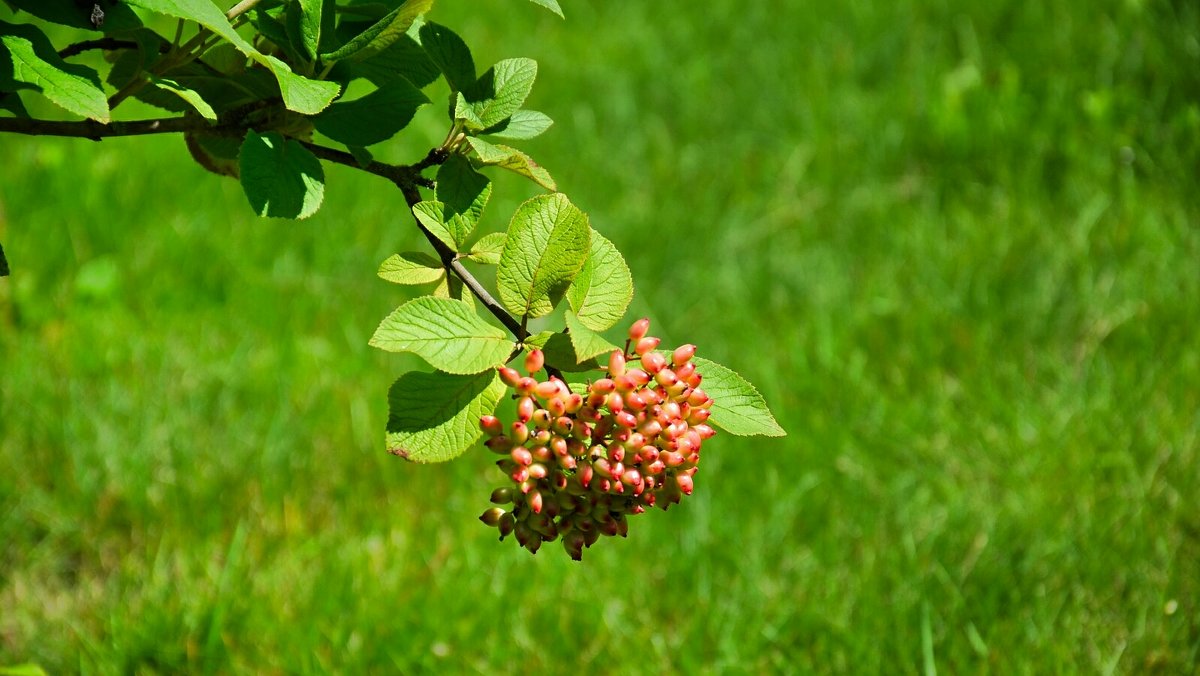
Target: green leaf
{"points": [[522, 125], [381, 34], [501, 90], [450, 54], [411, 267], [546, 246], [488, 249], [444, 332], [551, 5], [309, 22], [4, 271], [78, 14], [434, 417], [299, 93], [404, 58], [429, 214], [278, 33], [11, 101], [281, 178], [373, 118], [737, 407], [26, 56], [463, 193], [189, 95], [216, 153], [587, 343], [513, 160], [560, 352], [602, 291]]}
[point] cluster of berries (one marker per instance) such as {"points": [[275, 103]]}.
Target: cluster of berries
{"points": [[581, 463]]}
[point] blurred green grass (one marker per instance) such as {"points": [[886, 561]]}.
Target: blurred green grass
{"points": [[955, 245]]}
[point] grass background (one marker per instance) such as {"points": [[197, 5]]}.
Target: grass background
{"points": [[955, 245]]}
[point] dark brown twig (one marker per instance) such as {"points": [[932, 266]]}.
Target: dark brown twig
{"points": [[107, 44]]}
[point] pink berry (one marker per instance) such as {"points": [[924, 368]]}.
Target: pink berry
{"points": [[685, 483], [616, 363], [509, 376], [646, 345], [682, 354], [491, 425], [653, 362], [525, 409], [639, 329], [534, 361]]}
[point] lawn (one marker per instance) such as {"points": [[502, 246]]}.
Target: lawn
{"points": [[956, 245]]}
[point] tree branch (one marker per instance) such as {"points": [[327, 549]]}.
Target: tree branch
{"points": [[107, 44], [95, 131], [405, 177], [449, 257]]}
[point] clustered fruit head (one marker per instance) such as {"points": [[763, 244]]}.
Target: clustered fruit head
{"points": [[581, 463]]}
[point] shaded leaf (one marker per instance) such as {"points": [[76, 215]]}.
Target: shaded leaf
{"points": [[299, 93], [546, 246], [280, 177], [463, 193], [450, 54], [403, 58], [381, 34], [412, 267], [587, 343], [560, 352], [26, 56], [434, 417], [216, 153], [4, 271], [444, 332], [373, 118], [737, 407], [76, 14]]}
